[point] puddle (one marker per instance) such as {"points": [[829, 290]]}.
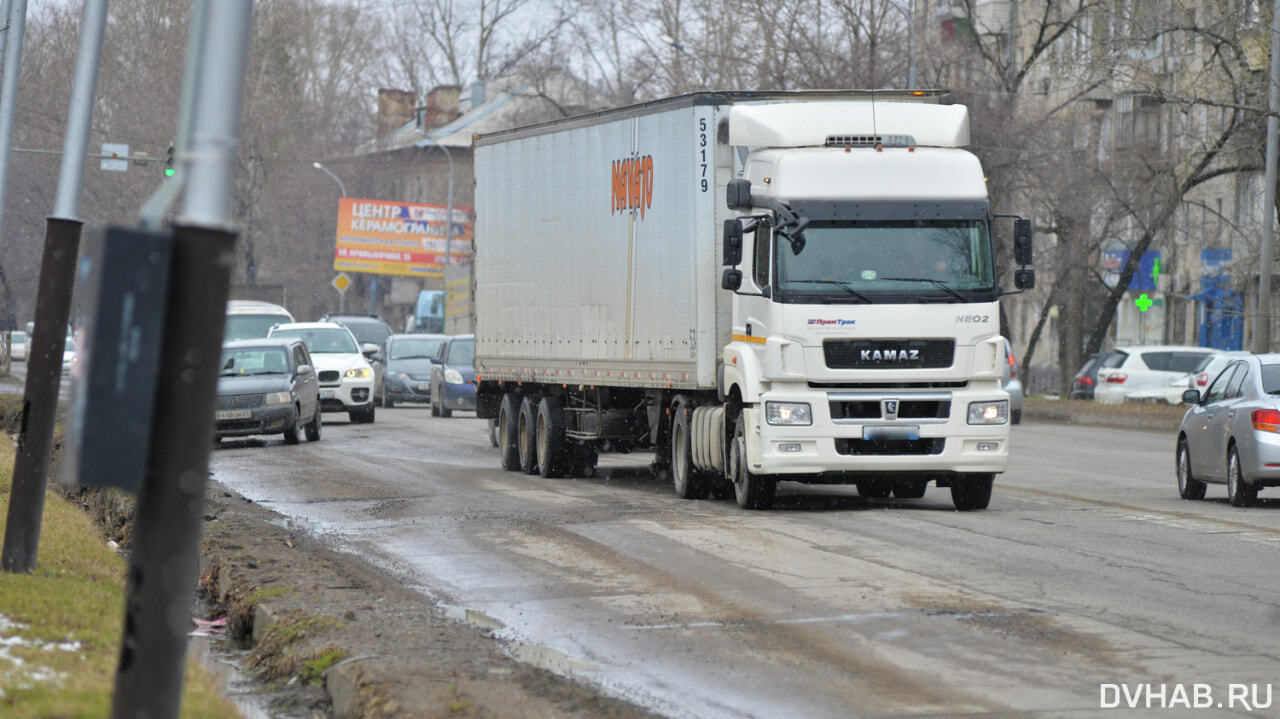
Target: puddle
{"points": [[222, 666]]}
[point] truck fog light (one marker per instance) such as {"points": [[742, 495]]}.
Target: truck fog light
{"points": [[989, 412], [788, 413], [789, 447], [988, 446]]}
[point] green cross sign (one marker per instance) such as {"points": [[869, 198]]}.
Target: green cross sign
{"points": [[1143, 302]]}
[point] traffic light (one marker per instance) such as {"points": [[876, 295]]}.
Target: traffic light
{"points": [[169, 170]]}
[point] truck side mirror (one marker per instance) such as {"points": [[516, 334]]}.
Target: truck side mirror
{"points": [[731, 280], [738, 194], [1024, 279], [1022, 241], [732, 242]]}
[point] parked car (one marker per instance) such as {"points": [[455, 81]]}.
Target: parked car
{"points": [[1083, 384], [18, 345], [1012, 384], [453, 376], [247, 319], [268, 386], [69, 357], [408, 367], [1231, 433], [368, 330], [346, 379], [1138, 369]]}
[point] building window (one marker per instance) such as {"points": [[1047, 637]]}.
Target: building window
{"points": [[1137, 119]]}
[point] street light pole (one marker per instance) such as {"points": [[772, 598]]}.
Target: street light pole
{"points": [[1262, 321], [448, 224], [707, 74], [325, 170], [909, 13]]}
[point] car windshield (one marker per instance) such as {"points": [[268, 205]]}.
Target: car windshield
{"points": [[322, 340], [887, 261], [248, 327], [415, 348], [462, 352], [367, 331], [254, 361]]}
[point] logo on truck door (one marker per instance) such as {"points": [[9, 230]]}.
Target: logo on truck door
{"points": [[633, 184]]}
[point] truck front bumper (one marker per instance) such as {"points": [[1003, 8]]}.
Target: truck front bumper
{"points": [[889, 442]]}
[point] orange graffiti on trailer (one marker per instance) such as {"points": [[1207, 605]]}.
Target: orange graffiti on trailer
{"points": [[633, 184]]}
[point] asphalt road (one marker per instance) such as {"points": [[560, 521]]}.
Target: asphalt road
{"points": [[1087, 588]]}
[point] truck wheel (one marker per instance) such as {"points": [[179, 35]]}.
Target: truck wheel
{"points": [[753, 491], [972, 491], [550, 438], [526, 428], [909, 488], [876, 490], [493, 433], [688, 481], [509, 432]]}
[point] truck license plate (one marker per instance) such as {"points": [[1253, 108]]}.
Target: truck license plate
{"points": [[234, 414], [328, 393]]}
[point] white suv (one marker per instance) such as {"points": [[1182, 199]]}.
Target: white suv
{"points": [[346, 378], [1132, 371]]}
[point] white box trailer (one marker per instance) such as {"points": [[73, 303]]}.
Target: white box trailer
{"points": [[638, 283]]}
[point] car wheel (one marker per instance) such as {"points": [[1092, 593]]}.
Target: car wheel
{"points": [[313, 427], [751, 490], [1016, 416], [552, 449], [508, 431], [386, 399], [1240, 492], [444, 411], [435, 408], [293, 432], [526, 429], [972, 491], [1188, 486], [688, 481]]}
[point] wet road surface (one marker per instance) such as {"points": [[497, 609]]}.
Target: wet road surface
{"points": [[1086, 571]]}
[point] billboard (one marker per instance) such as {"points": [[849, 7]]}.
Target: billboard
{"points": [[398, 238]]}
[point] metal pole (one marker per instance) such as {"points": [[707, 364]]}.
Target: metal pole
{"points": [[1262, 322], [165, 561], [4, 31], [53, 308], [9, 92], [911, 47], [341, 187]]}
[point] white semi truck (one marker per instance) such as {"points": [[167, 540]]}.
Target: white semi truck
{"points": [[761, 287]]}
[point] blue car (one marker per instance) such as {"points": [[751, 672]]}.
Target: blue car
{"points": [[453, 376]]}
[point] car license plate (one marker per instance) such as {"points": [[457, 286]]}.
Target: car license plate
{"points": [[424, 387], [328, 393], [234, 414]]}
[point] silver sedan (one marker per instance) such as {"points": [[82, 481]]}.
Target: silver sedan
{"points": [[1231, 433]]}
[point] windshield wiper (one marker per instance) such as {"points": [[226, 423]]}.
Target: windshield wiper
{"points": [[842, 285], [936, 283]]}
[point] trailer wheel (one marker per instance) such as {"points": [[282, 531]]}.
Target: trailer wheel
{"points": [[508, 431], [583, 458], [689, 482], [549, 441], [972, 491], [753, 491], [526, 429]]}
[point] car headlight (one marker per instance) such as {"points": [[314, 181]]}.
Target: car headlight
{"points": [[788, 413], [989, 412], [453, 376], [274, 398], [402, 375], [358, 372]]}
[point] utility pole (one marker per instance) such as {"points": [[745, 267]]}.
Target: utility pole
{"points": [[165, 562], [1262, 321]]}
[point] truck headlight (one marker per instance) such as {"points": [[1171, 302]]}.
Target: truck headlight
{"points": [[989, 412], [453, 376], [274, 398], [359, 372], [788, 413]]}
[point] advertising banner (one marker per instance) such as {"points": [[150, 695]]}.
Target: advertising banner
{"points": [[398, 238]]}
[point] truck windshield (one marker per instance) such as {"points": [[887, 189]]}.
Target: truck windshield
{"points": [[887, 262]]}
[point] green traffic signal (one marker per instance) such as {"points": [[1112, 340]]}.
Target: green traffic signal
{"points": [[169, 172]]}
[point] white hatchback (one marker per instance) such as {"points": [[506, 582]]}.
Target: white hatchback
{"points": [[342, 366], [1137, 371]]}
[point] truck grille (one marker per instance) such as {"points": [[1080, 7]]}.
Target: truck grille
{"points": [[907, 409], [329, 375], [239, 401], [888, 354], [864, 447]]}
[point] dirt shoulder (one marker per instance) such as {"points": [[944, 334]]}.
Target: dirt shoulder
{"points": [[337, 637]]}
